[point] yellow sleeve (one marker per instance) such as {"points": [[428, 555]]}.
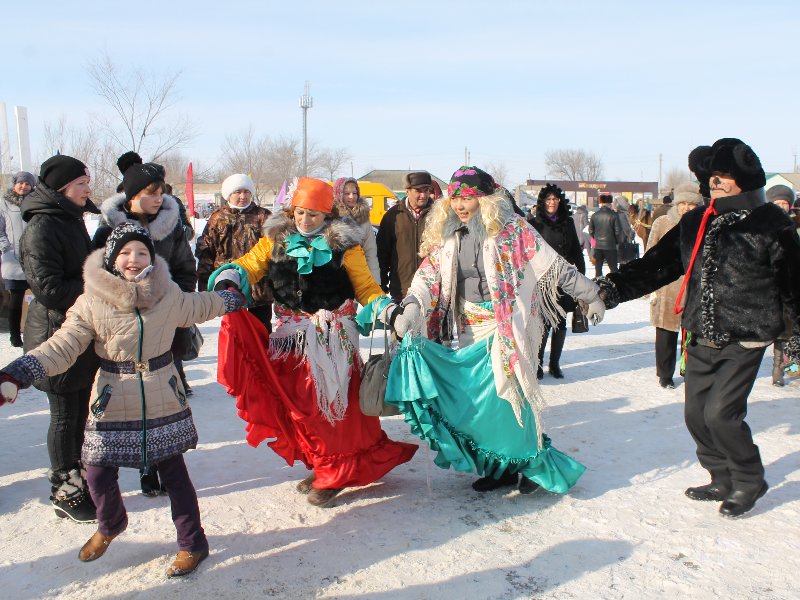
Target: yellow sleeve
{"points": [[355, 263], [256, 261]]}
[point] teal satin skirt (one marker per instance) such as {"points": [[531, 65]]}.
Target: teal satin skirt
{"points": [[448, 398]]}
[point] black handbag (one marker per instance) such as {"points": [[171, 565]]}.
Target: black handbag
{"points": [[629, 251], [374, 376], [580, 324]]}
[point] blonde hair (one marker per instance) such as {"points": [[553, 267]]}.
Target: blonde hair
{"points": [[492, 212]]}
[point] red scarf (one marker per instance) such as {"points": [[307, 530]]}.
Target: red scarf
{"points": [[699, 240]]}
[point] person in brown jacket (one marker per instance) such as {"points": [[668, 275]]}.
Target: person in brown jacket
{"points": [[400, 235], [230, 233], [139, 413], [662, 301]]}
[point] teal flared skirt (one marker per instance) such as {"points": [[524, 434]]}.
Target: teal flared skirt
{"points": [[448, 397]]}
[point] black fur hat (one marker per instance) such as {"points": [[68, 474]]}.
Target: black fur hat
{"points": [[732, 155], [699, 164]]}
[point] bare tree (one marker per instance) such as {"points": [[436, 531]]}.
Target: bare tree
{"points": [[89, 146], [674, 177], [573, 165], [140, 103], [332, 160], [498, 171], [249, 154], [176, 164]]}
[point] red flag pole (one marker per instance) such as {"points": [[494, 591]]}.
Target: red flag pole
{"points": [[190, 192]]}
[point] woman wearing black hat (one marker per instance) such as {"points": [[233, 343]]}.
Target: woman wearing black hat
{"points": [[552, 218], [53, 248]]}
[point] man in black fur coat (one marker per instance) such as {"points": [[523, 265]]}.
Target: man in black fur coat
{"points": [[742, 260]]}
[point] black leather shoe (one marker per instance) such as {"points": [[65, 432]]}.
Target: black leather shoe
{"points": [[527, 486], [740, 501], [539, 373], [666, 383], [487, 484], [556, 372], [712, 492]]}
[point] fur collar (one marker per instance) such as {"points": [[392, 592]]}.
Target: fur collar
{"points": [[744, 201], [359, 213], [122, 294], [341, 233], [12, 197], [167, 218]]}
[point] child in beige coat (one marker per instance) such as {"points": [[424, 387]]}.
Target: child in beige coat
{"points": [[139, 415]]}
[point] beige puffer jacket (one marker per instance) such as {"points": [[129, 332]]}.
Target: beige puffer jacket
{"points": [[116, 314]]}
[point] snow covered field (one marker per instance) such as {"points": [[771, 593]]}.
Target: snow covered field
{"points": [[624, 531]]}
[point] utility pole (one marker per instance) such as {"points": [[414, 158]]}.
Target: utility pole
{"points": [[306, 102], [794, 170]]}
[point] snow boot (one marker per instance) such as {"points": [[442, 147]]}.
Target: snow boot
{"points": [[186, 562], [96, 546], [322, 497], [70, 497], [304, 487], [487, 484]]}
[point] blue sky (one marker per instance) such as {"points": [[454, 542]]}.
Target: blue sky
{"points": [[410, 84]]}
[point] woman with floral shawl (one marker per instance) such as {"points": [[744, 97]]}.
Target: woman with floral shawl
{"points": [[489, 275]]}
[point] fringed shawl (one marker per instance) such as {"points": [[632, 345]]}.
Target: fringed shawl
{"points": [[522, 272]]}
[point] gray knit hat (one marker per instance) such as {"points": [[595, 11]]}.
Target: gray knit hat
{"points": [[28, 178]]}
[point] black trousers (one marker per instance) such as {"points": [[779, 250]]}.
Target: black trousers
{"points": [[15, 311], [68, 414], [666, 352], [264, 314], [718, 382], [557, 344], [609, 256]]}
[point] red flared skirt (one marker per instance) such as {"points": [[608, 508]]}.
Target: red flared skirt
{"points": [[278, 401]]}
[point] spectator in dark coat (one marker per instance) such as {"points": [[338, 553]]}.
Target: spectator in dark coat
{"points": [[53, 248], [605, 228], [552, 218]]}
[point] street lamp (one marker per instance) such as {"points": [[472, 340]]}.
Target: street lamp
{"points": [[306, 102]]}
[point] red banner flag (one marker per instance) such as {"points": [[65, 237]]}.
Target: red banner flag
{"points": [[190, 192]]}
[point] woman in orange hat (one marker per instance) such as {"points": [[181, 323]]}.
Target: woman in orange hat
{"points": [[303, 390]]}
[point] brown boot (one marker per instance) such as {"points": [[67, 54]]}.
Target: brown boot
{"points": [[304, 486], [322, 497], [186, 562], [95, 547]]}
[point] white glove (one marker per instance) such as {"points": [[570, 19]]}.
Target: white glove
{"points": [[230, 277], [8, 391], [408, 322], [596, 310]]}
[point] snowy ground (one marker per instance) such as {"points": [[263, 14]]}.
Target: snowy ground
{"points": [[624, 531]]}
